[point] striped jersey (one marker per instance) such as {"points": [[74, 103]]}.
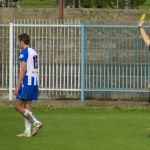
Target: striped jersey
{"points": [[30, 56]]}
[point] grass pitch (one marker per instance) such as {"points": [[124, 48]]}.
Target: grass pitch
{"points": [[38, 3], [78, 129]]}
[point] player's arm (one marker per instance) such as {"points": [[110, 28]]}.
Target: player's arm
{"points": [[143, 33], [22, 72], [21, 76], [145, 36]]}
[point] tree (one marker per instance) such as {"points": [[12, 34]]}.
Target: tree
{"points": [[127, 4], [100, 4], [86, 3], [69, 3], [77, 3], [121, 4], [136, 3]]}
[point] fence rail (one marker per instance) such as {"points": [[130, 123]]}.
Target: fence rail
{"points": [[78, 59]]}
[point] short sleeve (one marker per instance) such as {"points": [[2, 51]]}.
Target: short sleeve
{"points": [[23, 56]]}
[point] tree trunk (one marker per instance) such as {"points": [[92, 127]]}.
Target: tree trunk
{"points": [[127, 4], [77, 3]]}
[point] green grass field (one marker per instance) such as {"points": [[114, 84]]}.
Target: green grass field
{"points": [[146, 5], [38, 3], [78, 129]]}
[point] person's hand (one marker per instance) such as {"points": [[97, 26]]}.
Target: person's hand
{"points": [[148, 86], [141, 23], [16, 90]]}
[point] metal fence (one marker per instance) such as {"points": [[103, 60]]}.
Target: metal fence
{"points": [[77, 59], [4, 55], [58, 46], [115, 59]]}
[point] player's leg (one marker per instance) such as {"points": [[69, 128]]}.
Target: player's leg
{"points": [[30, 93], [23, 99], [25, 112], [29, 108], [20, 107], [28, 124], [25, 120], [36, 124]]}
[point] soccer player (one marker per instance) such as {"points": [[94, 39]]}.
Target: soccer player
{"points": [[26, 88], [145, 37]]}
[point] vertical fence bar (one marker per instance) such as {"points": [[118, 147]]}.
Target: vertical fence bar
{"points": [[79, 66], [75, 62], [137, 65], [82, 61], [53, 59], [115, 73], [93, 68], [96, 45], [100, 64], [126, 64], [42, 60], [130, 67], [2, 59], [64, 62], [47, 55], [60, 60], [10, 60], [68, 53], [71, 61], [6, 60], [57, 56], [50, 57]]}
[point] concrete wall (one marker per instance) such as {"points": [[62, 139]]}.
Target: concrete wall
{"points": [[85, 15]]}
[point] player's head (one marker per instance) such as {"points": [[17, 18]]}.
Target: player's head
{"points": [[23, 40]]}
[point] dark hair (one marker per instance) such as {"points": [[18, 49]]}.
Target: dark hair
{"points": [[25, 38]]}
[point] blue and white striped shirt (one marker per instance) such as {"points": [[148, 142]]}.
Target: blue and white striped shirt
{"points": [[30, 56]]}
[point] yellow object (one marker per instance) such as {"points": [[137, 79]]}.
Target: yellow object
{"points": [[143, 17]]}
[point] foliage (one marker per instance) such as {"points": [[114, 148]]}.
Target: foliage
{"points": [[137, 3], [105, 3]]}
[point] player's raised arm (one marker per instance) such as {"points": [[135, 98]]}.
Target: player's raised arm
{"points": [[143, 33]]}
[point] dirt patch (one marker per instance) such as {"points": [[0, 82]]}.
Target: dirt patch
{"points": [[77, 103]]}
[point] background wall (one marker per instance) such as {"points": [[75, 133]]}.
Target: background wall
{"points": [[85, 15]]}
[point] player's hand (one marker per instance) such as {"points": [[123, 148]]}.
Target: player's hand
{"points": [[148, 86], [16, 90], [141, 23]]}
